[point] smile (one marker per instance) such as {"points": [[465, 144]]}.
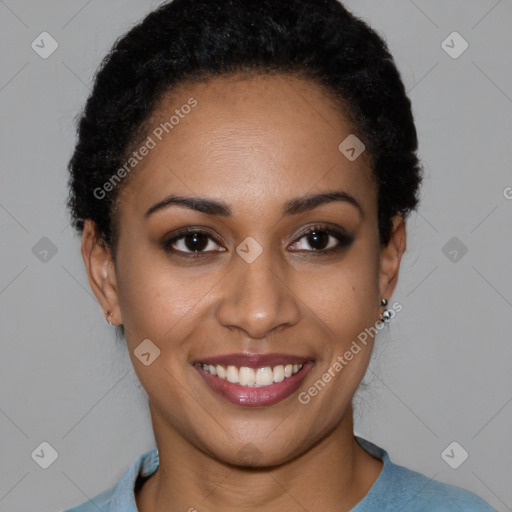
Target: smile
{"points": [[253, 380], [246, 376]]}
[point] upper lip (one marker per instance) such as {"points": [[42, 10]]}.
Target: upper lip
{"points": [[253, 360]]}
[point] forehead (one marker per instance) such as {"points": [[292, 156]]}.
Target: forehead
{"points": [[238, 139]]}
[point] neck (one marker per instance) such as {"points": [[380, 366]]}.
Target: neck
{"points": [[333, 475]]}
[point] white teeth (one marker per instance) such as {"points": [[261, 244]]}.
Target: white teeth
{"points": [[264, 376], [232, 374], [279, 373], [246, 376]]}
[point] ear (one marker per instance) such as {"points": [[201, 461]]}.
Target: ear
{"points": [[101, 272], [390, 257]]}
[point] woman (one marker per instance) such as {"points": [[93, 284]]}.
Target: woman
{"points": [[242, 177]]}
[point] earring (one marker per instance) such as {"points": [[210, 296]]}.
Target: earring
{"points": [[386, 314], [107, 314]]}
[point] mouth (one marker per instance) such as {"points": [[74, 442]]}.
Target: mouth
{"points": [[254, 380]]}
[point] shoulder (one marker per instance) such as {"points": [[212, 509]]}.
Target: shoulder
{"points": [[424, 494], [100, 503], [401, 488], [121, 498]]}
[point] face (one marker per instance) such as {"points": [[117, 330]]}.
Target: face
{"points": [[248, 273]]}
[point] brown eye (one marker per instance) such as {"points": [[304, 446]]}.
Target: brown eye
{"points": [[318, 240], [323, 240], [190, 242], [195, 241]]}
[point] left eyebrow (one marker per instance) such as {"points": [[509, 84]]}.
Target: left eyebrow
{"points": [[309, 202], [292, 207]]}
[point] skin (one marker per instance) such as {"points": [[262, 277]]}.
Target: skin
{"points": [[253, 143]]}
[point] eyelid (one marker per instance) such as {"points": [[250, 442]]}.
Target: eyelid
{"points": [[181, 233], [331, 230], [344, 239]]}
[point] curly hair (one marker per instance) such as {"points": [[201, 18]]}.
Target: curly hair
{"points": [[193, 40]]}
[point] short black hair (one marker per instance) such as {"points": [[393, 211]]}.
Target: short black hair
{"points": [[193, 40]]}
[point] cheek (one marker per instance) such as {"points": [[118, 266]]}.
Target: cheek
{"points": [[349, 306], [159, 300], [145, 294], [346, 298]]}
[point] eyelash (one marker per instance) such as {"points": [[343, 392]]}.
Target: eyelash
{"points": [[344, 241]]}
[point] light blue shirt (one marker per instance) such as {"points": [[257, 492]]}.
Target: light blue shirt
{"points": [[396, 488]]}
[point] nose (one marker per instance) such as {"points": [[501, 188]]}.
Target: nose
{"points": [[257, 299]]}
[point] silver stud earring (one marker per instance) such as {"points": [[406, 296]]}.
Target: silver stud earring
{"points": [[386, 314], [107, 314]]}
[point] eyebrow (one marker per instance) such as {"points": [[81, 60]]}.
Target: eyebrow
{"points": [[292, 207]]}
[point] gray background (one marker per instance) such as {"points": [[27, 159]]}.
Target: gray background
{"points": [[440, 373]]}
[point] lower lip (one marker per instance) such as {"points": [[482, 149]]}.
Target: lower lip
{"points": [[249, 396]]}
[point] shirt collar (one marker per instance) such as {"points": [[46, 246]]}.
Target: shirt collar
{"points": [[123, 497]]}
